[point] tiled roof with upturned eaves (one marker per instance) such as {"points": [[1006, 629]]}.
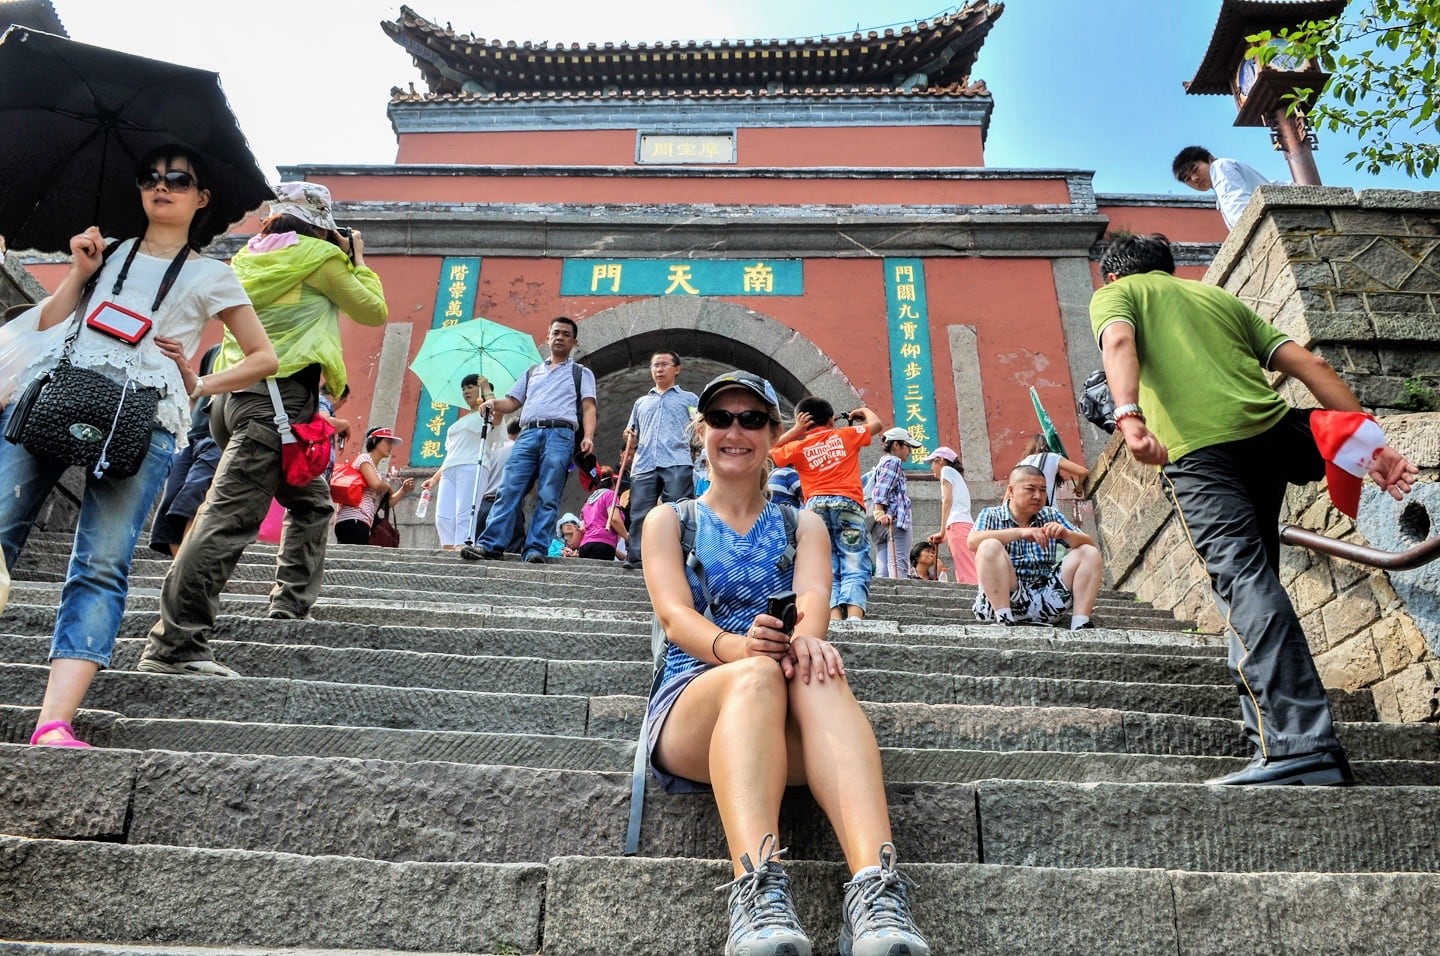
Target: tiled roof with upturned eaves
{"points": [[412, 95], [36, 14], [937, 54], [1241, 18]]}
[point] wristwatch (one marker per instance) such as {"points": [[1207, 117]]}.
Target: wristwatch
{"points": [[1130, 410]]}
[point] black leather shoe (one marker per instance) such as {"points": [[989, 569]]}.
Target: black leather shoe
{"points": [[1328, 768], [631, 565], [535, 558], [476, 554]]}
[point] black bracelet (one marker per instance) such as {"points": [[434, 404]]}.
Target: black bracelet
{"points": [[715, 642]]}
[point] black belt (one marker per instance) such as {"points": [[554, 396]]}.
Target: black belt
{"points": [[550, 423]]}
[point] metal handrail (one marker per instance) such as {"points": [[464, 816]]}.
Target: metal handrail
{"points": [[1423, 553]]}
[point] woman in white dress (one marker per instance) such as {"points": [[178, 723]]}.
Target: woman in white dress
{"points": [[455, 498]]}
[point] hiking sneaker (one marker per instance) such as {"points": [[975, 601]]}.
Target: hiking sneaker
{"points": [[877, 913], [185, 668], [762, 917]]}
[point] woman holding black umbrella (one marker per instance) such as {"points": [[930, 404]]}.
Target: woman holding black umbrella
{"points": [[161, 277]]}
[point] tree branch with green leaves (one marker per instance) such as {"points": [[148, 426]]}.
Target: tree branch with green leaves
{"points": [[1384, 84]]}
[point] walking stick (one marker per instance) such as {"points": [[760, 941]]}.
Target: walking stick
{"points": [[619, 476], [468, 552]]}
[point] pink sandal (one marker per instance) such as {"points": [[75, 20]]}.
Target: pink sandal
{"points": [[66, 737]]}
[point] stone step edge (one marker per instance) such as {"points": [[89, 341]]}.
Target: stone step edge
{"points": [[571, 905], [1211, 700], [878, 631], [397, 666], [617, 755]]}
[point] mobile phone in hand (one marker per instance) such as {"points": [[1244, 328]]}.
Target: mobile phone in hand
{"points": [[782, 605]]}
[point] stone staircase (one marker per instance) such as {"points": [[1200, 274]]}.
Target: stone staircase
{"points": [[438, 762]]}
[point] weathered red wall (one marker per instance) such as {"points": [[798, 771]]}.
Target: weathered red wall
{"points": [[1180, 224], [643, 191], [878, 146], [1012, 305], [1010, 302]]}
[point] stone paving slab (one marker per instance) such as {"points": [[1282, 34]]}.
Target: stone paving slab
{"points": [[1305, 912], [513, 635], [267, 899], [424, 812], [591, 907], [553, 752], [391, 668], [549, 751], [1068, 729], [278, 701], [987, 910], [358, 674], [140, 949], [1158, 699], [1232, 829]]}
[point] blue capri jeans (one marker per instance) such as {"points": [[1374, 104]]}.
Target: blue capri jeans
{"points": [[112, 515], [851, 563]]}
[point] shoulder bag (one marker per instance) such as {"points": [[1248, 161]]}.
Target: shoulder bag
{"points": [[347, 485], [383, 533], [304, 448], [82, 417]]}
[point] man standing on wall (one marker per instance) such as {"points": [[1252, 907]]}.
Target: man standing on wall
{"points": [[1233, 181], [551, 396], [1196, 358], [656, 435]]}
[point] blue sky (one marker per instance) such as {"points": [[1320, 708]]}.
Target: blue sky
{"points": [[1091, 84]]}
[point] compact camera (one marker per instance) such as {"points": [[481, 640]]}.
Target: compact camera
{"points": [[782, 605], [846, 419]]}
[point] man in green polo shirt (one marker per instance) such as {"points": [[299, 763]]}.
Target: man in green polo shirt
{"points": [[1187, 364]]}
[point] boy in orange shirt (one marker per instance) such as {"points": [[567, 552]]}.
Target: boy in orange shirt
{"points": [[828, 460]]}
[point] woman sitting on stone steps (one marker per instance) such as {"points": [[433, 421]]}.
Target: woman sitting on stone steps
{"points": [[747, 709]]}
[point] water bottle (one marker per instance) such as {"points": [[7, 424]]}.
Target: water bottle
{"points": [[423, 508]]}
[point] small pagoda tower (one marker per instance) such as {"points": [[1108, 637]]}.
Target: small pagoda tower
{"points": [[1260, 91]]}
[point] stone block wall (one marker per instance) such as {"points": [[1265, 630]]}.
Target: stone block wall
{"points": [[1355, 277]]}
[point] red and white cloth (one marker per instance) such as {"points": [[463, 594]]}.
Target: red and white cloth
{"points": [[1349, 442]]}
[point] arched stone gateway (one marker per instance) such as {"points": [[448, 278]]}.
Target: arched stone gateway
{"points": [[711, 336]]}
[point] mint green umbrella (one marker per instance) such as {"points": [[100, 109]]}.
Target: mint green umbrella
{"points": [[477, 346], [1047, 427]]}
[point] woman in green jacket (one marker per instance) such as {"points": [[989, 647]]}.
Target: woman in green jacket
{"points": [[300, 272]]}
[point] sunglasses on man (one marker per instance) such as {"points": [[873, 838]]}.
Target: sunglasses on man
{"points": [[175, 180]]}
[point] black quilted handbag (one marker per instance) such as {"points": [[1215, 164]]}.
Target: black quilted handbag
{"points": [[80, 417]]}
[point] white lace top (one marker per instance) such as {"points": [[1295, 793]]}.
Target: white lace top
{"points": [[204, 288]]}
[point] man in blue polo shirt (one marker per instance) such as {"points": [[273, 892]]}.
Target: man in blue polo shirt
{"points": [[548, 441], [662, 469]]}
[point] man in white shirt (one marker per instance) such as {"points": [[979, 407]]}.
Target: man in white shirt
{"points": [[1231, 179]]}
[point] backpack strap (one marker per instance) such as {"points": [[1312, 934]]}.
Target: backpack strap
{"points": [[579, 406], [685, 511]]}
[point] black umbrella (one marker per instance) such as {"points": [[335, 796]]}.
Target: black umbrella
{"points": [[74, 121]]}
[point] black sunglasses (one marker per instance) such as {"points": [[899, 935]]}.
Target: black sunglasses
{"points": [[175, 180], [750, 419]]}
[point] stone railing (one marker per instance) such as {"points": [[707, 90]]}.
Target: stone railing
{"points": [[1356, 278]]}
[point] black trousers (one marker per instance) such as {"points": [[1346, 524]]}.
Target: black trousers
{"points": [[1229, 498]]}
